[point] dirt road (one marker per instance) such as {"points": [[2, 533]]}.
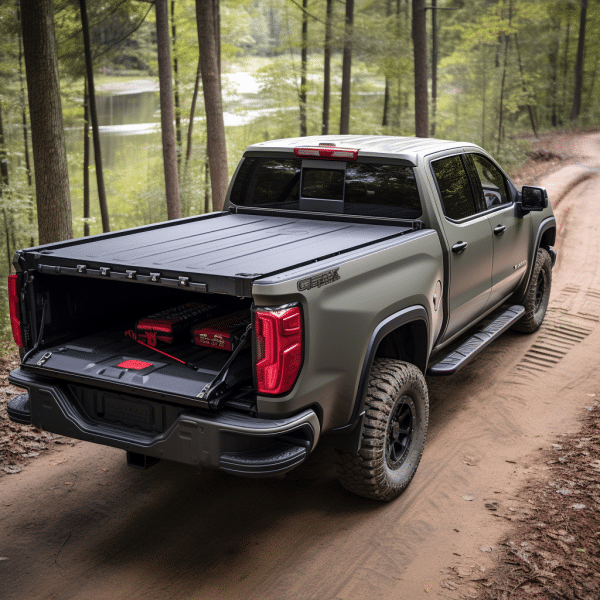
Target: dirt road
{"points": [[79, 524]]}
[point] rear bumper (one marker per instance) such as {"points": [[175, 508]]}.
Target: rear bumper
{"points": [[229, 441]]}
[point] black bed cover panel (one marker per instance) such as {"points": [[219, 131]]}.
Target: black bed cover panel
{"points": [[222, 254]]}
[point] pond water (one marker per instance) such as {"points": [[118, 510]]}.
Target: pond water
{"points": [[130, 140]]}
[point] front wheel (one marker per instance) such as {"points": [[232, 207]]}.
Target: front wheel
{"points": [[538, 294], [395, 426]]}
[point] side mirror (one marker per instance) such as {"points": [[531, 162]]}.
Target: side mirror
{"points": [[534, 198]]}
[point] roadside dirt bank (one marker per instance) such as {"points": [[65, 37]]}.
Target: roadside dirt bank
{"points": [[78, 524]]}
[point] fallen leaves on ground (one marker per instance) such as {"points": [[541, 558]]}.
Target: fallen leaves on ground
{"points": [[19, 443]]}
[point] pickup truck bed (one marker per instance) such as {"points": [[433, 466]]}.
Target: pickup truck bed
{"points": [[221, 253]]}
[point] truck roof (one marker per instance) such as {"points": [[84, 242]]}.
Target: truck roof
{"points": [[405, 148]]}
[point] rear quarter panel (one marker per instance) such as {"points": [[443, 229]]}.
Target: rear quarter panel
{"points": [[340, 317]]}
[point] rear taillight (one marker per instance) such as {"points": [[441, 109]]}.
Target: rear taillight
{"points": [[13, 305], [278, 349]]}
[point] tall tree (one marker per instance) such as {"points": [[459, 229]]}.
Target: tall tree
{"points": [[419, 35], [347, 69], [25, 129], [167, 111], [303, 69], [176, 82], [434, 61], [4, 188], [207, 18], [91, 94], [579, 62], [327, 68], [386, 93], [503, 82], [188, 149], [47, 130], [86, 162]]}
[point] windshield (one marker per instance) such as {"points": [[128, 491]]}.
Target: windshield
{"points": [[379, 190]]}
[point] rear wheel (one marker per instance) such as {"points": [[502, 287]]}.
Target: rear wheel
{"points": [[396, 418], [538, 294]]}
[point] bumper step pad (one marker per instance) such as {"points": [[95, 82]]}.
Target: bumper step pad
{"points": [[476, 343], [18, 409]]}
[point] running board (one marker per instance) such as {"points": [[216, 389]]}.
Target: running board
{"points": [[476, 343]]}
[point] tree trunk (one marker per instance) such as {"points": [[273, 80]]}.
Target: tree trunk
{"points": [[386, 94], [86, 162], [176, 78], [167, 113], [501, 108], [553, 61], [47, 129], [434, 60], [483, 89], [327, 69], [400, 94], [579, 62], [529, 107], [347, 69], [566, 66], [24, 112], [419, 36], [206, 186], [188, 150], [94, 114], [25, 131], [209, 43], [303, 69], [217, 27], [386, 102], [3, 187]]}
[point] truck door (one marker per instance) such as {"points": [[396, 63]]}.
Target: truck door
{"points": [[510, 234], [469, 237]]}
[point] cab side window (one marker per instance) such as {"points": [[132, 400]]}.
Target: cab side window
{"points": [[491, 180], [455, 189]]}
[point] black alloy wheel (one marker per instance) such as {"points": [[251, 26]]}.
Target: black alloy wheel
{"points": [[540, 289], [400, 428]]}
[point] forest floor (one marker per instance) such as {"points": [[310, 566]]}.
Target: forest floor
{"points": [[505, 505]]}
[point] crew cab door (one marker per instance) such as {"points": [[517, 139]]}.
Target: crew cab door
{"points": [[511, 234], [469, 237]]}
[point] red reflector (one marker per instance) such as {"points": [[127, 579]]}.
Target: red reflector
{"points": [[15, 313], [138, 365], [327, 153], [279, 349]]}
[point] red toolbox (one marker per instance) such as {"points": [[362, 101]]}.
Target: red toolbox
{"points": [[223, 332], [174, 323]]}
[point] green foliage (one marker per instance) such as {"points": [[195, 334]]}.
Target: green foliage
{"points": [[261, 40]]}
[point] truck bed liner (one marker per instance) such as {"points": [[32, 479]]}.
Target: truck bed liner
{"points": [[95, 360], [222, 254]]}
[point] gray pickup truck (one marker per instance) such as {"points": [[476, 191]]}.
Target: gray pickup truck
{"points": [[363, 263]]}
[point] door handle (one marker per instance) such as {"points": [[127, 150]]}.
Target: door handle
{"points": [[499, 229], [459, 247]]}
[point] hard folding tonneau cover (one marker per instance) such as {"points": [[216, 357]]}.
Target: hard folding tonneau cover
{"points": [[215, 253]]}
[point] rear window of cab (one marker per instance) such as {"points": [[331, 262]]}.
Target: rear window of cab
{"points": [[353, 188]]}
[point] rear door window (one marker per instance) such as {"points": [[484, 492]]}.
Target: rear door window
{"points": [[381, 191], [455, 188]]}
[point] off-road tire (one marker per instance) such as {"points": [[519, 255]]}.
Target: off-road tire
{"points": [[388, 457], [538, 294]]}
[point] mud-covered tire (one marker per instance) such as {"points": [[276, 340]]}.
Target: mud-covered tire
{"points": [[538, 294], [395, 426]]}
